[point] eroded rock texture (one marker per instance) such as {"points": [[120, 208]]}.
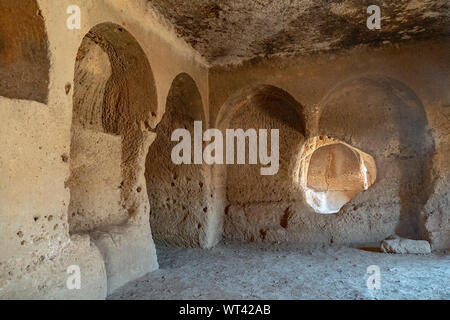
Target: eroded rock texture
{"points": [[24, 61], [86, 175], [381, 117], [114, 98], [231, 30], [180, 197], [262, 107]]}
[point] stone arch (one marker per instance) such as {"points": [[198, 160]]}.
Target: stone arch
{"points": [[114, 96], [264, 107], [332, 173], [260, 91], [250, 196], [386, 119], [179, 194], [124, 94], [24, 55]]}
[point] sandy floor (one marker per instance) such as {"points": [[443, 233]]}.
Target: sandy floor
{"points": [[237, 271]]}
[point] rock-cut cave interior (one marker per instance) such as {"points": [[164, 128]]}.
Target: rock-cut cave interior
{"points": [[314, 143]]}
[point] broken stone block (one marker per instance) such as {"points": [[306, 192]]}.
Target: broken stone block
{"points": [[402, 246]]}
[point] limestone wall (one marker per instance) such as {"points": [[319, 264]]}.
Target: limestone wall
{"points": [[48, 173], [87, 115], [180, 195], [388, 102]]}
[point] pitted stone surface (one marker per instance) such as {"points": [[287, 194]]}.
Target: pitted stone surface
{"points": [[228, 30]]}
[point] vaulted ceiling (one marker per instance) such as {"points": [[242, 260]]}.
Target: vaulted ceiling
{"points": [[226, 30]]}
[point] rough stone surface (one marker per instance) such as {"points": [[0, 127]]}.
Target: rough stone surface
{"points": [[24, 53], [128, 252], [45, 277], [180, 195], [114, 101], [402, 246], [232, 30], [332, 173], [383, 102], [289, 271], [74, 146], [85, 171]]}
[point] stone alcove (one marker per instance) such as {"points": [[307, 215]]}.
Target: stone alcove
{"points": [[333, 173], [255, 202], [180, 198], [113, 101], [24, 60]]}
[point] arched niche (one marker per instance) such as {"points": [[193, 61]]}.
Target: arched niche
{"points": [[255, 204], [114, 98], [386, 119], [179, 193], [24, 57], [333, 173], [264, 107]]}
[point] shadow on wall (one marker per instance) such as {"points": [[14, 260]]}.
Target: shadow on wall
{"points": [[180, 199], [332, 173], [264, 107], [24, 61], [371, 128], [114, 92], [114, 100], [387, 120], [250, 197]]}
